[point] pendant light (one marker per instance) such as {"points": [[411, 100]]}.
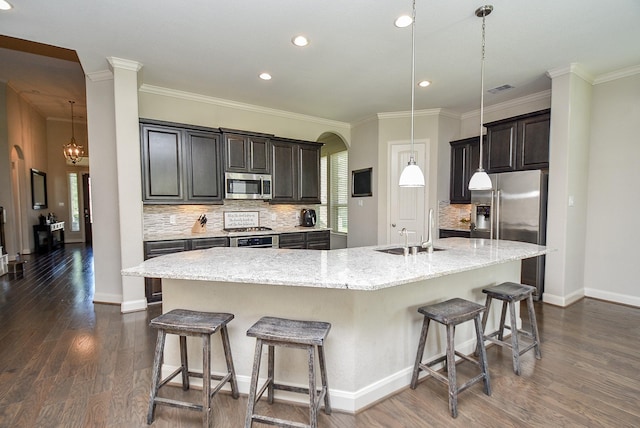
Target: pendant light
{"points": [[480, 179], [72, 151], [412, 174]]}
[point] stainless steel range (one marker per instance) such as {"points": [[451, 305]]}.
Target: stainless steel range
{"points": [[248, 221], [259, 241]]}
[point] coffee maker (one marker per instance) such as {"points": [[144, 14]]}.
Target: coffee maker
{"points": [[308, 217]]}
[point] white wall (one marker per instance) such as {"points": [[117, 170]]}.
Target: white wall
{"points": [[363, 212], [611, 256]]}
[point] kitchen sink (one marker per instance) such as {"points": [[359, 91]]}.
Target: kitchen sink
{"points": [[400, 250]]}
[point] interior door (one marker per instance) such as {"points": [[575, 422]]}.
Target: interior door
{"points": [[406, 204], [88, 219]]}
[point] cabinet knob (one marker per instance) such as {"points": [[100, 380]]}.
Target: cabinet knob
{"points": [[393, 225]]}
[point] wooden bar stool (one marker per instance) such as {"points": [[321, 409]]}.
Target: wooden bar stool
{"points": [[451, 313], [510, 293], [309, 335], [191, 323]]}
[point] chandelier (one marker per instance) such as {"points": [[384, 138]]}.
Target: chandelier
{"points": [[72, 151]]}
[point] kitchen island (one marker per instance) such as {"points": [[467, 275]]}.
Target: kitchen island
{"points": [[369, 297]]}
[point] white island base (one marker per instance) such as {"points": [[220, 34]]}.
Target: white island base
{"points": [[371, 347]]}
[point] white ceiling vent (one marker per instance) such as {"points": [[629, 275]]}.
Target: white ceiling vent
{"points": [[499, 89]]}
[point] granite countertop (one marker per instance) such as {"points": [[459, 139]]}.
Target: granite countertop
{"points": [[219, 233], [361, 268]]}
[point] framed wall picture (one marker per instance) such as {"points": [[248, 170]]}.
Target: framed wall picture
{"points": [[361, 182], [38, 189]]}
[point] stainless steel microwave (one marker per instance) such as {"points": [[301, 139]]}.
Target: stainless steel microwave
{"points": [[247, 186]]}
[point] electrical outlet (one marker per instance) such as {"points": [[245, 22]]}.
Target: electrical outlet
{"points": [[273, 217], [172, 219]]}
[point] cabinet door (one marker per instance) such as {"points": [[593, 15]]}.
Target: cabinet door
{"points": [[204, 243], [458, 184], [153, 286], [501, 147], [259, 155], [309, 174], [284, 188], [319, 240], [533, 142], [161, 164], [292, 240], [203, 167], [236, 154]]}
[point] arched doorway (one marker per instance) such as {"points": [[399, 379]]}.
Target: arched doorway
{"points": [[334, 188]]}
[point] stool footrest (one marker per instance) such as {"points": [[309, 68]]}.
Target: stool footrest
{"points": [[178, 403], [279, 422]]}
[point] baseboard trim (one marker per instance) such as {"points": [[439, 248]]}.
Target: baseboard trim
{"points": [[562, 301], [133, 306], [612, 297], [107, 298]]}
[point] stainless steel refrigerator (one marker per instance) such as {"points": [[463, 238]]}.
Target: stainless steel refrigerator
{"points": [[514, 210]]}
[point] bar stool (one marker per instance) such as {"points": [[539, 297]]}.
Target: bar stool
{"points": [[510, 293], [309, 335], [191, 323], [451, 313]]}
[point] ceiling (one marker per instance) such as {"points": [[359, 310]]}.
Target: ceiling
{"points": [[357, 64]]}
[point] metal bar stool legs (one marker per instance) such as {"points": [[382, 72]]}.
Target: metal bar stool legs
{"points": [[308, 335], [451, 313], [510, 294], [199, 324]]}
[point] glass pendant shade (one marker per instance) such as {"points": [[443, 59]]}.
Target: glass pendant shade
{"points": [[480, 181], [411, 176]]}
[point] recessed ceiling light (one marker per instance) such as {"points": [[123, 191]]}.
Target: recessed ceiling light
{"points": [[5, 5], [403, 21], [300, 41], [265, 76], [424, 83]]}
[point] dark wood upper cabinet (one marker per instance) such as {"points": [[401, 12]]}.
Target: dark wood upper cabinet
{"points": [[204, 166], [519, 143], [533, 152], [246, 152], [180, 164], [162, 163], [296, 171], [465, 156], [501, 147]]}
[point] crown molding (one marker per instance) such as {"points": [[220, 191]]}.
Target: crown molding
{"points": [[418, 113], [125, 64], [573, 68], [100, 76], [510, 104], [190, 96], [619, 74]]}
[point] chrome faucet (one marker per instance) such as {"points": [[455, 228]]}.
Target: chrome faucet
{"points": [[406, 233], [428, 244]]}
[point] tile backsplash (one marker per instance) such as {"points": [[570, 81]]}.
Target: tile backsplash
{"points": [[453, 216], [176, 219]]}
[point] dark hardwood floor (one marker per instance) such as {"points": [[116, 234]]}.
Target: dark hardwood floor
{"points": [[66, 362]]}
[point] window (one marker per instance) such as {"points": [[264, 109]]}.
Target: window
{"points": [[334, 191], [74, 205]]}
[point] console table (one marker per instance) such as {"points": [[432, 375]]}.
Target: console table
{"points": [[48, 237]]}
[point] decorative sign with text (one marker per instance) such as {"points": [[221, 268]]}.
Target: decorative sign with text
{"points": [[237, 219]]}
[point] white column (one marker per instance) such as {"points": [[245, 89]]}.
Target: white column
{"points": [[571, 91], [104, 187], [125, 89]]}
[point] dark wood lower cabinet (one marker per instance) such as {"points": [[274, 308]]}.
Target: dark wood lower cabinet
{"points": [[313, 240], [153, 286]]}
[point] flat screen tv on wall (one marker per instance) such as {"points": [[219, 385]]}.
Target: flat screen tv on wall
{"points": [[361, 182]]}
